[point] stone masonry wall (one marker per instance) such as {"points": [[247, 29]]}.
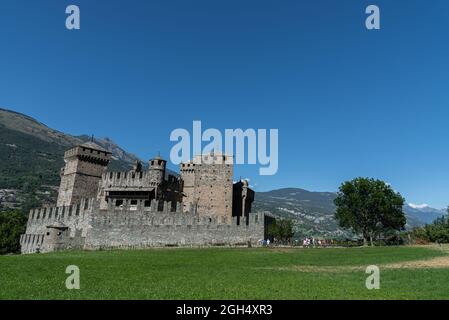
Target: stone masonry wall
{"points": [[136, 226], [81, 174], [76, 218], [208, 184], [139, 229]]}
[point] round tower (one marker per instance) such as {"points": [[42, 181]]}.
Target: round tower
{"points": [[157, 169]]}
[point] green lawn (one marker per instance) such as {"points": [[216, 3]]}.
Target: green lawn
{"points": [[220, 273]]}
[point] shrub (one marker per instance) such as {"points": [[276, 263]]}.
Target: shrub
{"points": [[438, 231], [12, 225]]}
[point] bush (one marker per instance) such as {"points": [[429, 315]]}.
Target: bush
{"points": [[438, 231], [12, 225], [281, 230]]}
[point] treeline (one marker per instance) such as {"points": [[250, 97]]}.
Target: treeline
{"points": [[437, 232]]}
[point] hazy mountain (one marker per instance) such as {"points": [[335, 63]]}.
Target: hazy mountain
{"points": [[423, 214], [314, 211]]}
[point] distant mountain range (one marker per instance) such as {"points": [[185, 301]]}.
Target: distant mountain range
{"points": [[313, 212], [31, 156], [422, 214]]}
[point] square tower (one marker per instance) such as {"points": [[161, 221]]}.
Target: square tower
{"points": [[208, 185], [84, 165]]}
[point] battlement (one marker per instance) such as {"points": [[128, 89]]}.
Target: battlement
{"points": [[62, 212], [172, 213], [129, 179], [145, 205], [71, 222], [140, 229], [30, 242], [86, 152], [135, 224], [208, 159]]}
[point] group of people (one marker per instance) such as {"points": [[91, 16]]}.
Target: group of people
{"points": [[313, 242], [309, 242]]}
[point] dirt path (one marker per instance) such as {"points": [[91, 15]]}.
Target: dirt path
{"points": [[434, 263], [439, 262]]}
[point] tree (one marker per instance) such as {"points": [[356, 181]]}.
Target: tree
{"points": [[12, 225], [369, 207], [282, 230], [437, 231]]}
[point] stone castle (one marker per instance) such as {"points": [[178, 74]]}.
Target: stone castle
{"points": [[153, 207]]}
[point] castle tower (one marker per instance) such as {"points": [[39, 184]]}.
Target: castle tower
{"points": [[157, 170], [84, 165], [56, 237], [208, 185], [187, 171]]}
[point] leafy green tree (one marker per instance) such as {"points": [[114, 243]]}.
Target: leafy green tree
{"points": [[282, 230], [12, 225], [437, 231], [369, 207]]}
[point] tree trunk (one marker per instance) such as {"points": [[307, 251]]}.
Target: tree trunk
{"points": [[371, 240], [365, 241]]}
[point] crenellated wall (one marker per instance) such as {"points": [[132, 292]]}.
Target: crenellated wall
{"points": [[75, 218], [31, 242], [150, 184], [139, 229], [129, 179], [145, 224]]}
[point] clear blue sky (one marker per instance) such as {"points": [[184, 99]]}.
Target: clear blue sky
{"points": [[347, 102]]}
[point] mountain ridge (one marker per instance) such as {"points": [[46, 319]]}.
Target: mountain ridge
{"points": [[31, 156], [314, 212], [23, 123]]}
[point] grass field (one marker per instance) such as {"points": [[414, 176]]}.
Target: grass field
{"points": [[220, 273]]}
